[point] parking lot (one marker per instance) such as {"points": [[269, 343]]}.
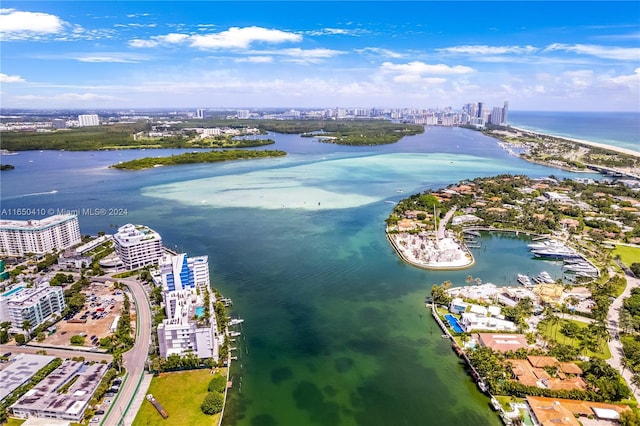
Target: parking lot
{"points": [[94, 321]]}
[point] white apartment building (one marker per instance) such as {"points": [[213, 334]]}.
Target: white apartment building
{"points": [[35, 304], [19, 237], [85, 120], [180, 333], [181, 272], [137, 246]]}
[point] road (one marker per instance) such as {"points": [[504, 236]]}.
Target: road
{"points": [[443, 223], [134, 359], [615, 346], [62, 353]]}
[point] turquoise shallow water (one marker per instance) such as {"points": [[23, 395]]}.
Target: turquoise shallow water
{"points": [[335, 331]]}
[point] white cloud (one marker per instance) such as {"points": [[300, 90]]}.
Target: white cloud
{"points": [[335, 31], [233, 38], [631, 81], [4, 78], [380, 52], [101, 59], [143, 43], [256, 59], [66, 98], [15, 21], [242, 38], [488, 50], [419, 68], [606, 52]]}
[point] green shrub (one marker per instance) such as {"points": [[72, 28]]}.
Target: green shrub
{"points": [[218, 383], [212, 403]]}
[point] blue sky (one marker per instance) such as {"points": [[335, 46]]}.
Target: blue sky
{"points": [[550, 56]]}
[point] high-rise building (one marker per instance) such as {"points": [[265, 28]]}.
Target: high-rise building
{"points": [[480, 112], [496, 116], [137, 246], [33, 304], [181, 272], [186, 329], [200, 114], [243, 113], [19, 237], [505, 113], [88, 120]]}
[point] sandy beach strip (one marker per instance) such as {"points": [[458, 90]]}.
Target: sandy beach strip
{"points": [[583, 142]]}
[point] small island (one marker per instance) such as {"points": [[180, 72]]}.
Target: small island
{"points": [[196, 157], [7, 167]]}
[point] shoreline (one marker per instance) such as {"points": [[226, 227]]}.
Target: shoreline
{"points": [[614, 148]]}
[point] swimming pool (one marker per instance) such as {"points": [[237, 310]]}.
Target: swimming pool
{"points": [[12, 291], [199, 311], [453, 322]]}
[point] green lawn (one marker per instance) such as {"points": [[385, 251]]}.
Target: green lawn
{"points": [[549, 332], [180, 393], [627, 254], [15, 422]]}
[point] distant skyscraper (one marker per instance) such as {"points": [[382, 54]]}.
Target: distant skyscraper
{"points": [[200, 113], [480, 112], [243, 113], [505, 112], [88, 120]]}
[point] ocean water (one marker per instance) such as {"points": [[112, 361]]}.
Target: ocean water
{"points": [[336, 331], [620, 129]]}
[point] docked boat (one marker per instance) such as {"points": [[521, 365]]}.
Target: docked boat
{"points": [[235, 321], [524, 280], [546, 278]]}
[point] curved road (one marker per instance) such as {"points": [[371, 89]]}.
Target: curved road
{"points": [[134, 359], [615, 346]]}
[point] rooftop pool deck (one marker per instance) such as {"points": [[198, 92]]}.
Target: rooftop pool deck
{"points": [[12, 291]]}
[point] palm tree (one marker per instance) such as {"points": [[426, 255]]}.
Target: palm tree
{"points": [[635, 381], [26, 326]]}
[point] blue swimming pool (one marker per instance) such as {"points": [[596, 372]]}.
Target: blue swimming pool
{"points": [[12, 291], [199, 311], [453, 322]]}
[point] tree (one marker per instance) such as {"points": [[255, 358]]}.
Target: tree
{"points": [[635, 268], [439, 293], [213, 403], [20, 339], [218, 383], [26, 326], [629, 418]]}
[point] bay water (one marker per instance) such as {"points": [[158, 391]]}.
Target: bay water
{"points": [[336, 331]]}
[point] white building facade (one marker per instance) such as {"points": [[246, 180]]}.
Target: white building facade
{"points": [[88, 120], [185, 329], [137, 246], [19, 237], [34, 304], [180, 272]]}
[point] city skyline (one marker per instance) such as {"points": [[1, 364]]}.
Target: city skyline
{"points": [[545, 56]]}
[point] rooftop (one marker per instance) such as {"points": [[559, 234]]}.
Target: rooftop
{"points": [[21, 370], [35, 224]]}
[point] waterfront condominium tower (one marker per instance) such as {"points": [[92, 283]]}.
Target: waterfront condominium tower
{"points": [[19, 237], [180, 272], [138, 246]]}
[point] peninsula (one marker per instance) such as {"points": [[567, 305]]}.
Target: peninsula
{"points": [[195, 157], [568, 154]]}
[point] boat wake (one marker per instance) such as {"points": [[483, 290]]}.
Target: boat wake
{"points": [[34, 194]]}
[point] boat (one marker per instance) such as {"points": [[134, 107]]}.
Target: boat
{"points": [[546, 278], [495, 404], [524, 280], [236, 321], [234, 333], [471, 232]]}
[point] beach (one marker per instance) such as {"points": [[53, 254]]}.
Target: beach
{"points": [[584, 142]]}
